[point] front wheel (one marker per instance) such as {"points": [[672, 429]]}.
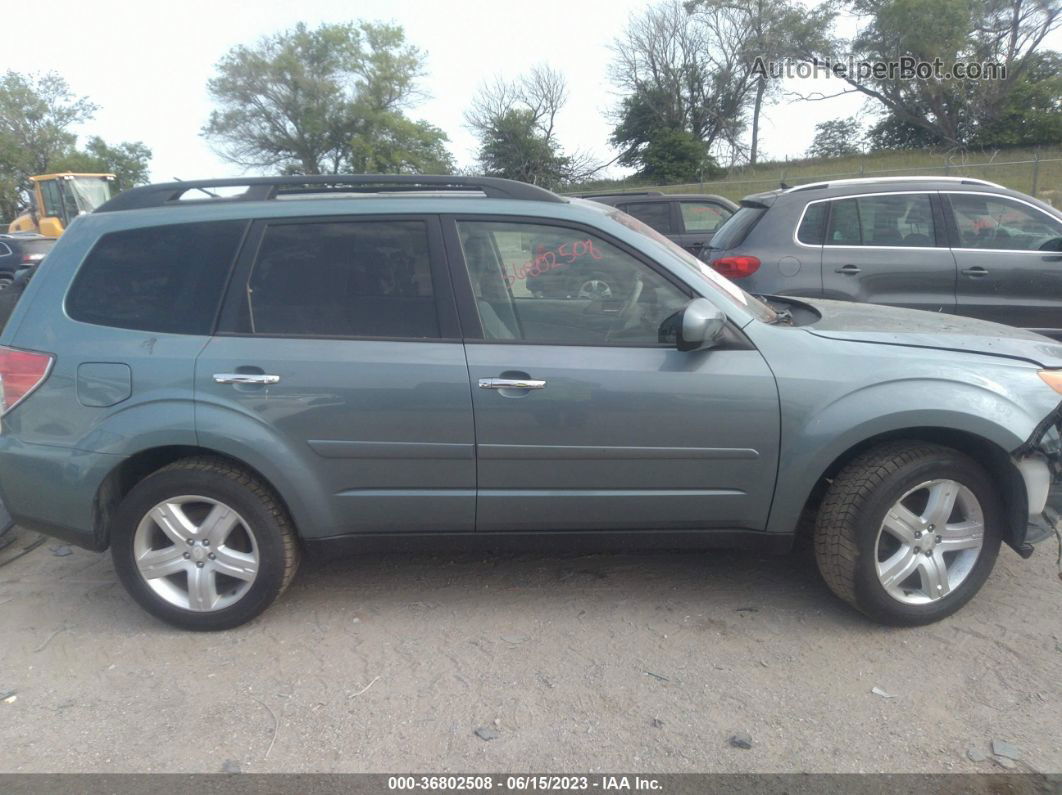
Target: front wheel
{"points": [[203, 545], [908, 532]]}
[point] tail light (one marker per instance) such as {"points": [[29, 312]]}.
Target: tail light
{"points": [[736, 267], [28, 258], [21, 372]]}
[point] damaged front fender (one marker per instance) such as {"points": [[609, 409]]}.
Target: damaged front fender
{"points": [[1039, 460]]}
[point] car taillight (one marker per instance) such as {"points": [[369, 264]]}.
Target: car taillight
{"points": [[736, 267], [20, 373], [32, 257]]}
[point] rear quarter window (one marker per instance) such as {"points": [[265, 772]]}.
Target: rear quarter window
{"points": [[167, 279], [734, 231]]}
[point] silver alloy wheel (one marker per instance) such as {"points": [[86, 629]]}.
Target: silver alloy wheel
{"points": [[196, 553], [595, 289], [929, 542]]}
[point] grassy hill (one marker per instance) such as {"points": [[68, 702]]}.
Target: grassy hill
{"points": [[1013, 168]]}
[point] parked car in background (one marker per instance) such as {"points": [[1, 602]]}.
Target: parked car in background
{"points": [[208, 386], [953, 245], [690, 219], [21, 251]]}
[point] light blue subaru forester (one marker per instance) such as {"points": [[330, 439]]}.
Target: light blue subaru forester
{"points": [[210, 377]]}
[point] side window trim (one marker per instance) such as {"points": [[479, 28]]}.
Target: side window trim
{"points": [[466, 301], [953, 227], [233, 319]]}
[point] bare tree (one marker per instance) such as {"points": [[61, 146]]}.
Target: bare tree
{"points": [[515, 121]]}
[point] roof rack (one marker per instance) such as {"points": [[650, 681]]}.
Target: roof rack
{"points": [[267, 188], [872, 180]]}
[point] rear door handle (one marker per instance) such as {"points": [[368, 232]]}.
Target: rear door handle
{"points": [[511, 383], [976, 271], [246, 378], [848, 270]]}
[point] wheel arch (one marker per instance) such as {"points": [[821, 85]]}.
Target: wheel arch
{"points": [[133, 469], [994, 458]]}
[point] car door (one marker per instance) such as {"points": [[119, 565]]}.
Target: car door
{"points": [[587, 416], [1009, 254], [339, 337], [888, 248], [698, 221]]}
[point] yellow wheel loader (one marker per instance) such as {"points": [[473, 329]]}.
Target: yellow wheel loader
{"points": [[57, 199]]}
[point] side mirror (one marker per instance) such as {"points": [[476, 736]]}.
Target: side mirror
{"points": [[701, 325]]}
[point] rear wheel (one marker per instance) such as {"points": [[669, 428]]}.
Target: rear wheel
{"points": [[203, 545], [908, 532]]}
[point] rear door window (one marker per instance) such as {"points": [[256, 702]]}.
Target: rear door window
{"points": [[655, 214], [166, 279], [344, 279], [888, 220], [703, 216]]}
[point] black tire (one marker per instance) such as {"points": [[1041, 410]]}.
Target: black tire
{"points": [[854, 508], [262, 511]]}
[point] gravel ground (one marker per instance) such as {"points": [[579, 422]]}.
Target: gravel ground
{"points": [[644, 662]]}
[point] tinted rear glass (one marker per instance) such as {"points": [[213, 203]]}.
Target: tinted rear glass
{"points": [[349, 279], [734, 231], [812, 229], [167, 279], [655, 214]]}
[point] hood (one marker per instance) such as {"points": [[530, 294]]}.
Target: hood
{"points": [[887, 325]]}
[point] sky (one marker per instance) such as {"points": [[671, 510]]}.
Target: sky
{"points": [[146, 65]]}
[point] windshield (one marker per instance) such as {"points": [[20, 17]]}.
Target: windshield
{"points": [[89, 192], [756, 306]]}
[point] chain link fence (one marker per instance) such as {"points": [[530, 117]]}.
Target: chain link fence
{"points": [[1036, 175]]}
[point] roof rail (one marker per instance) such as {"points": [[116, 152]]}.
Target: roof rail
{"points": [[617, 193], [266, 188], [872, 180]]}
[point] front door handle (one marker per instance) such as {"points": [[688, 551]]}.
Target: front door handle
{"points": [[976, 272], [848, 270], [511, 383], [245, 378]]}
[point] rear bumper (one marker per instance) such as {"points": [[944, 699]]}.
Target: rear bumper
{"points": [[52, 490]]}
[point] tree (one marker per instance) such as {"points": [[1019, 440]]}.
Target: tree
{"points": [[515, 122], [128, 161], [513, 147], [323, 101], [37, 113], [768, 30], [1031, 113], [835, 138], [1006, 32]]}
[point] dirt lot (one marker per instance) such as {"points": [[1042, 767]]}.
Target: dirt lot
{"points": [[634, 662]]}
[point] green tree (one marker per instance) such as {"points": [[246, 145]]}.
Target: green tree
{"points": [[37, 113], [836, 138], [322, 101], [515, 122], [1006, 32], [513, 147], [128, 161], [1031, 113], [390, 143]]}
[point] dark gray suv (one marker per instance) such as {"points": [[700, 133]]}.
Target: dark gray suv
{"points": [[954, 245]]}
